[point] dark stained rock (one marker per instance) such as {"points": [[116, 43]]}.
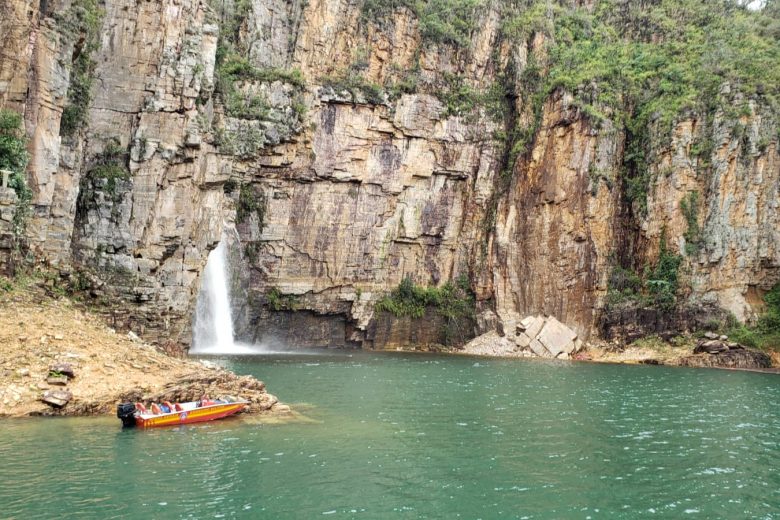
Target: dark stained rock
{"points": [[299, 329], [629, 321], [737, 358], [57, 398], [388, 332]]}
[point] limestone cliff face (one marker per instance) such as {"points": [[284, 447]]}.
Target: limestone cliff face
{"points": [[338, 189], [738, 254], [556, 226]]}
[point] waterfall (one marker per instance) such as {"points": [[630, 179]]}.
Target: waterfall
{"points": [[213, 329]]}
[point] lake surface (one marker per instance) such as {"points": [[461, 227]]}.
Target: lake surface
{"points": [[413, 436]]}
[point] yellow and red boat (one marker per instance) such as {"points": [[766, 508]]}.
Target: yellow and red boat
{"points": [[168, 414]]}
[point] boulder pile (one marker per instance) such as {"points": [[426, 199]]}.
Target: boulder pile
{"points": [[717, 351], [546, 337], [531, 336], [714, 344]]}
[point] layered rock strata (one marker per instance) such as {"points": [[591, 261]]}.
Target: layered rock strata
{"points": [[341, 154]]}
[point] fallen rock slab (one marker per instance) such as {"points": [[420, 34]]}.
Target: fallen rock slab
{"points": [[57, 398], [538, 349], [712, 346], [557, 338], [57, 380], [532, 325], [490, 344]]}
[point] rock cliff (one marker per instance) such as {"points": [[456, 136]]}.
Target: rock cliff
{"points": [[342, 146]]}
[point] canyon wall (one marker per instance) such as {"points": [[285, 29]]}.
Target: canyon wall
{"points": [[344, 152]]}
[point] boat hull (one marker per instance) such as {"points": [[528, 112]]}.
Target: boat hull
{"points": [[196, 415]]}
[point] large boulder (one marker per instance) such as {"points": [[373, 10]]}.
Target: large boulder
{"points": [[57, 398], [543, 336], [557, 338], [532, 325], [538, 349], [712, 346]]}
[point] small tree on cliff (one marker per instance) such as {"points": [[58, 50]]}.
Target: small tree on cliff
{"points": [[13, 157]]}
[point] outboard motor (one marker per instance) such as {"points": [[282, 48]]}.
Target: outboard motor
{"points": [[126, 412]]}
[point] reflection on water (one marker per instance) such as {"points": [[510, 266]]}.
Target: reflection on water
{"points": [[396, 436]]}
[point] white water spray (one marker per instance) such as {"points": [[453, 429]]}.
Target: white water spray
{"points": [[213, 330]]}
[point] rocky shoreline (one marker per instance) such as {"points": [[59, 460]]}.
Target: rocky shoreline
{"points": [[540, 337], [57, 358]]}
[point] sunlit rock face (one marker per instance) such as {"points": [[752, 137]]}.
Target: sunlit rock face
{"points": [[338, 190]]}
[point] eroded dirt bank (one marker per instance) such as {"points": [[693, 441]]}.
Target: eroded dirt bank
{"points": [[43, 338]]}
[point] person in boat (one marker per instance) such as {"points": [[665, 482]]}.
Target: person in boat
{"points": [[205, 401]]}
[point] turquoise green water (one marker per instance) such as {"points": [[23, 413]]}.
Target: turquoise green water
{"points": [[407, 437]]}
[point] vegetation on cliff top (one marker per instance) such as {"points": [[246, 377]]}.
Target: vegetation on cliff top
{"points": [[441, 21], [643, 66]]}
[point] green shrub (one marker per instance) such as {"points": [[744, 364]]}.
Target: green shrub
{"points": [[14, 158], [663, 280], [6, 285], [454, 302], [250, 202], [657, 286], [690, 209], [624, 285], [409, 299], [356, 85], [81, 23], [13, 145], [281, 302], [449, 22], [765, 333], [108, 167]]}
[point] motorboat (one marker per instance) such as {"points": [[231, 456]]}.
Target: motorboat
{"points": [[172, 414]]}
